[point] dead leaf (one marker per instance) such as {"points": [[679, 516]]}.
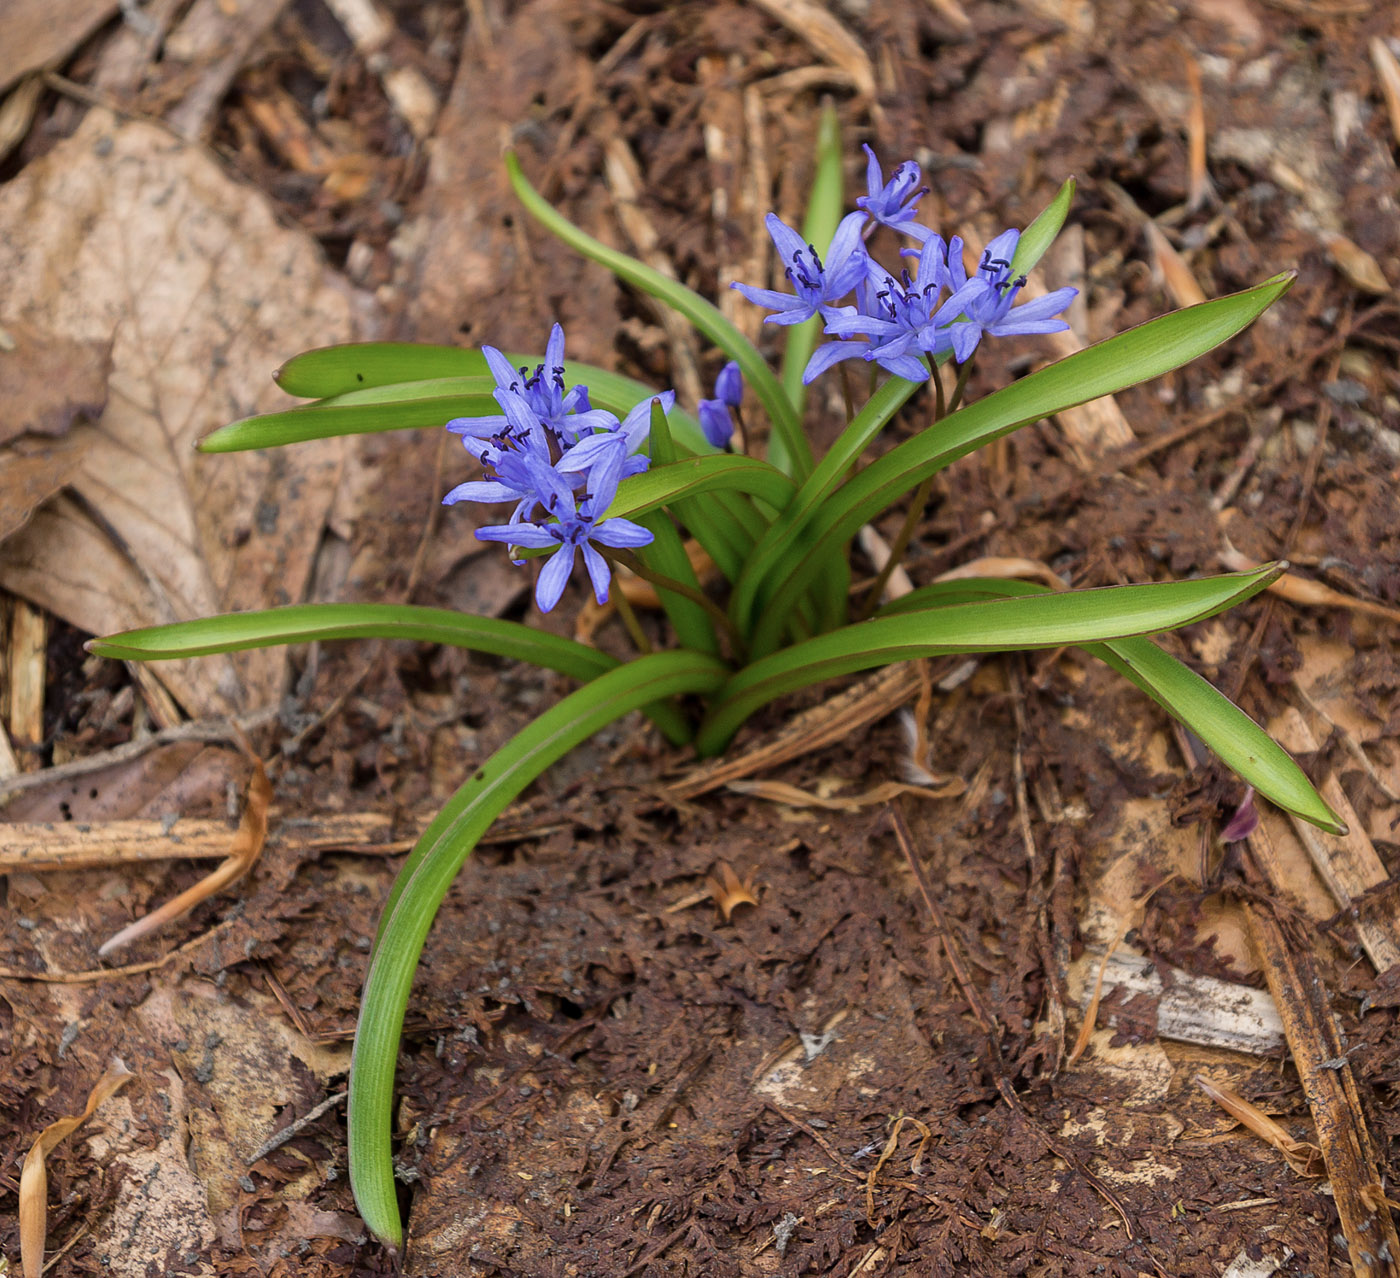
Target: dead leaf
{"points": [[1355, 263], [122, 234], [34, 1179], [243, 854], [793, 797], [28, 479], [1171, 268], [41, 33], [1388, 73], [730, 891], [47, 380], [1304, 1158]]}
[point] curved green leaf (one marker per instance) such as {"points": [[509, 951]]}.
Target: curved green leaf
{"points": [[787, 531], [310, 623], [1240, 742], [1034, 621], [1040, 234], [1144, 352], [383, 365], [351, 366], [692, 476], [429, 872], [702, 314]]}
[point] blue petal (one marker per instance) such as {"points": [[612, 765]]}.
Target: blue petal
{"points": [[621, 532], [828, 354], [598, 572], [554, 576], [788, 242]]}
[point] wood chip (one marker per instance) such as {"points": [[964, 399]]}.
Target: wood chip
{"points": [[847, 712], [1388, 73], [814, 24], [1329, 1084], [1303, 1157], [1355, 263], [25, 666], [1348, 863]]}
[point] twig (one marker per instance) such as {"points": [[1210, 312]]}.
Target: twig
{"points": [[278, 1139], [111, 973]]}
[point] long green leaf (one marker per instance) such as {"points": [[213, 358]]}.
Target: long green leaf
{"points": [[1240, 742], [1036, 621], [691, 476], [310, 623], [458, 383], [824, 207], [1040, 234], [791, 526], [702, 314], [1137, 355], [429, 872]]}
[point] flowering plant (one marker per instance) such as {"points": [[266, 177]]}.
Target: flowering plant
{"points": [[599, 467]]}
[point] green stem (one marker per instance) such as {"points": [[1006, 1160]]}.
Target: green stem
{"points": [[662, 582], [901, 544], [629, 620]]}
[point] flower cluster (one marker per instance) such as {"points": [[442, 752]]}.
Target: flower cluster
{"points": [[897, 319], [559, 460]]}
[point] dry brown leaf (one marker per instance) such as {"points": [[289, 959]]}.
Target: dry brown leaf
{"points": [[34, 1179], [730, 891], [1171, 266], [793, 797], [1355, 263], [885, 1155], [47, 380], [243, 854], [41, 33], [121, 234], [1388, 73], [30, 478], [1303, 1157], [1302, 590], [814, 24], [1006, 567]]}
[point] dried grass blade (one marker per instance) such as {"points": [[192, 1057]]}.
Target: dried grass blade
{"points": [[1388, 73], [34, 1179], [795, 797], [247, 847], [1302, 1156]]}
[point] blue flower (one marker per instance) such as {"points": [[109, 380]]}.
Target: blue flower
{"points": [[729, 385], [993, 311], [894, 203], [818, 287], [577, 525], [566, 413], [901, 318], [715, 421]]}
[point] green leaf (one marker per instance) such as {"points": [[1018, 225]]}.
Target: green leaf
{"points": [[333, 370], [1240, 742], [310, 623], [666, 555], [704, 316], [824, 207], [1040, 234], [429, 872], [691, 476], [1035, 621], [1144, 352], [791, 525], [334, 417], [384, 373]]}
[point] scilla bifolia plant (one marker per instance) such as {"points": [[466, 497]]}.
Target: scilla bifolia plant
{"points": [[598, 469]]}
